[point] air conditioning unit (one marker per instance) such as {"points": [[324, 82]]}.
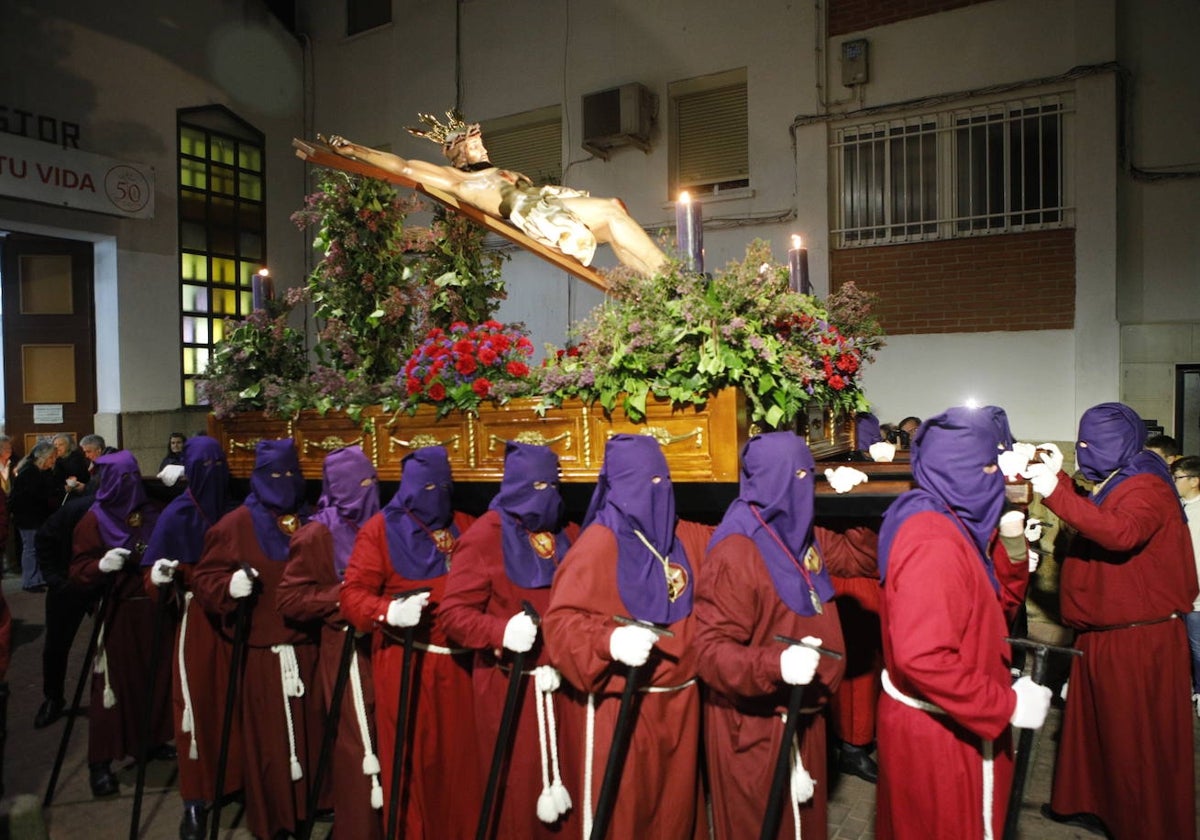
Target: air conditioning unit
{"points": [[621, 116]]}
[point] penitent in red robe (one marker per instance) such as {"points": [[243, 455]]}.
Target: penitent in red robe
{"points": [[200, 661], [116, 732], [738, 613], [659, 792], [1125, 753], [310, 592], [479, 601], [274, 801], [943, 643], [441, 787]]}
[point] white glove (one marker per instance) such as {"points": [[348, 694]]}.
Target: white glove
{"points": [[241, 584], [1033, 530], [1043, 478], [519, 633], [1034, 560], [631, 645], [406, 612], [113, 559], [1012, 462], [843, 479], [171, 473], [1033, 701], [163, 571], [882, 451], [1052, 456], [1012, 524], [798, 663]]}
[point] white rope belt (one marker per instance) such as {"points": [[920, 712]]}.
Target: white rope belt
{"points": [[188, 724], [554, 800], [100, 665], [802, 784], [292, 686], [441, 649], [988, 750], [370, 762]]}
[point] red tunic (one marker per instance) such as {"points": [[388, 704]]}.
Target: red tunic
{"points": [[274, 801], [441, 785], [738, 613], [943, 643], [658, 795], [479, 601], [309, 591], [115, 733], [852, 556], [206, 656], [1125, 753]]}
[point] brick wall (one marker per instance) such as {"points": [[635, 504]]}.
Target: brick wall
{"points": [[853, 15], [1020, 281]]}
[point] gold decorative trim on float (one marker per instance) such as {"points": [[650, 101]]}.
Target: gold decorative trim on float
{"points": [[701, 443]]}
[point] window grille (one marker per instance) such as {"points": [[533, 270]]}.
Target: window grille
{"points": [[993, 168]]}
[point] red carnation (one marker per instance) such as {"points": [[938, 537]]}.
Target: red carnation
{"points": [[412, 385], [836, 382], [437, 392], [517, 369], [487, 356], [465, 365], [482, 387]]}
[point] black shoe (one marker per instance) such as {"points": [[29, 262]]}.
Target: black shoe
{"points": [[164, 752], [50, 711], [102, 779], [1088, 822], [857, 761], [191, 827]]}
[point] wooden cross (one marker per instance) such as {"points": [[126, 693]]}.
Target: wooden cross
{"points": [[320, 154]]}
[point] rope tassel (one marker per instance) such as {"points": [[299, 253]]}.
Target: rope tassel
{"points": [[293, 686], [370, 762]]}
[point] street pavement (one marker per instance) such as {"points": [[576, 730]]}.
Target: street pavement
{"points": [[75, 815]]}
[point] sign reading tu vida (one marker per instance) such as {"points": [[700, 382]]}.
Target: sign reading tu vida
{"points": [[70, 178]]}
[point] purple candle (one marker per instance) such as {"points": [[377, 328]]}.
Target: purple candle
{"points": [[262, 289], [689, 233], [798, 267]]}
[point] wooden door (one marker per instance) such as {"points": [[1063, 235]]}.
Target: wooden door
{"points": [[49, 338]]}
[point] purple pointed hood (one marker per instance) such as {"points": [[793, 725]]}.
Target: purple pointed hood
{"points": [[774, 508], [120, 504], [276, 493], [184, 522], [420, 517], [867, 431], [634, 495], [1111, 437], [949, 453], [349, 497], [530, 506]]}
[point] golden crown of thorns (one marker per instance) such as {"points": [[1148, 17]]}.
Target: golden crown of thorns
{"points": [[448, 133]]}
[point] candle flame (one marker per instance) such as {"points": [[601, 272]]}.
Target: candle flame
{"points": [[796, 242], [263, 272], [684, 197]]}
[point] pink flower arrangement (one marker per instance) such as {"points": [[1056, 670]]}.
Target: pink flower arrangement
{"points": [[460, 367]]}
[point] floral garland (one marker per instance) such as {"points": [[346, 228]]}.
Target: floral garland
{"points": [[463, 366]]}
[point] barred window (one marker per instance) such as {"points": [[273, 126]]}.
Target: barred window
{"points": [[988, 169]]}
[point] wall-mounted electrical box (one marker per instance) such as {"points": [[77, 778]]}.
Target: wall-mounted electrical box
{"points": [[621, 116], [855, 69]]}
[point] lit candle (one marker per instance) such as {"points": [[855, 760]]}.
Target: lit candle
{"points": [[798, 267], [689, 233], [262, 289]]}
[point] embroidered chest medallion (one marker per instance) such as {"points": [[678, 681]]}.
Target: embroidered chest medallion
{"points": [[443, 539], [677, 581], [542, 543], [134, 520], [812, 560], [288, 523]]}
